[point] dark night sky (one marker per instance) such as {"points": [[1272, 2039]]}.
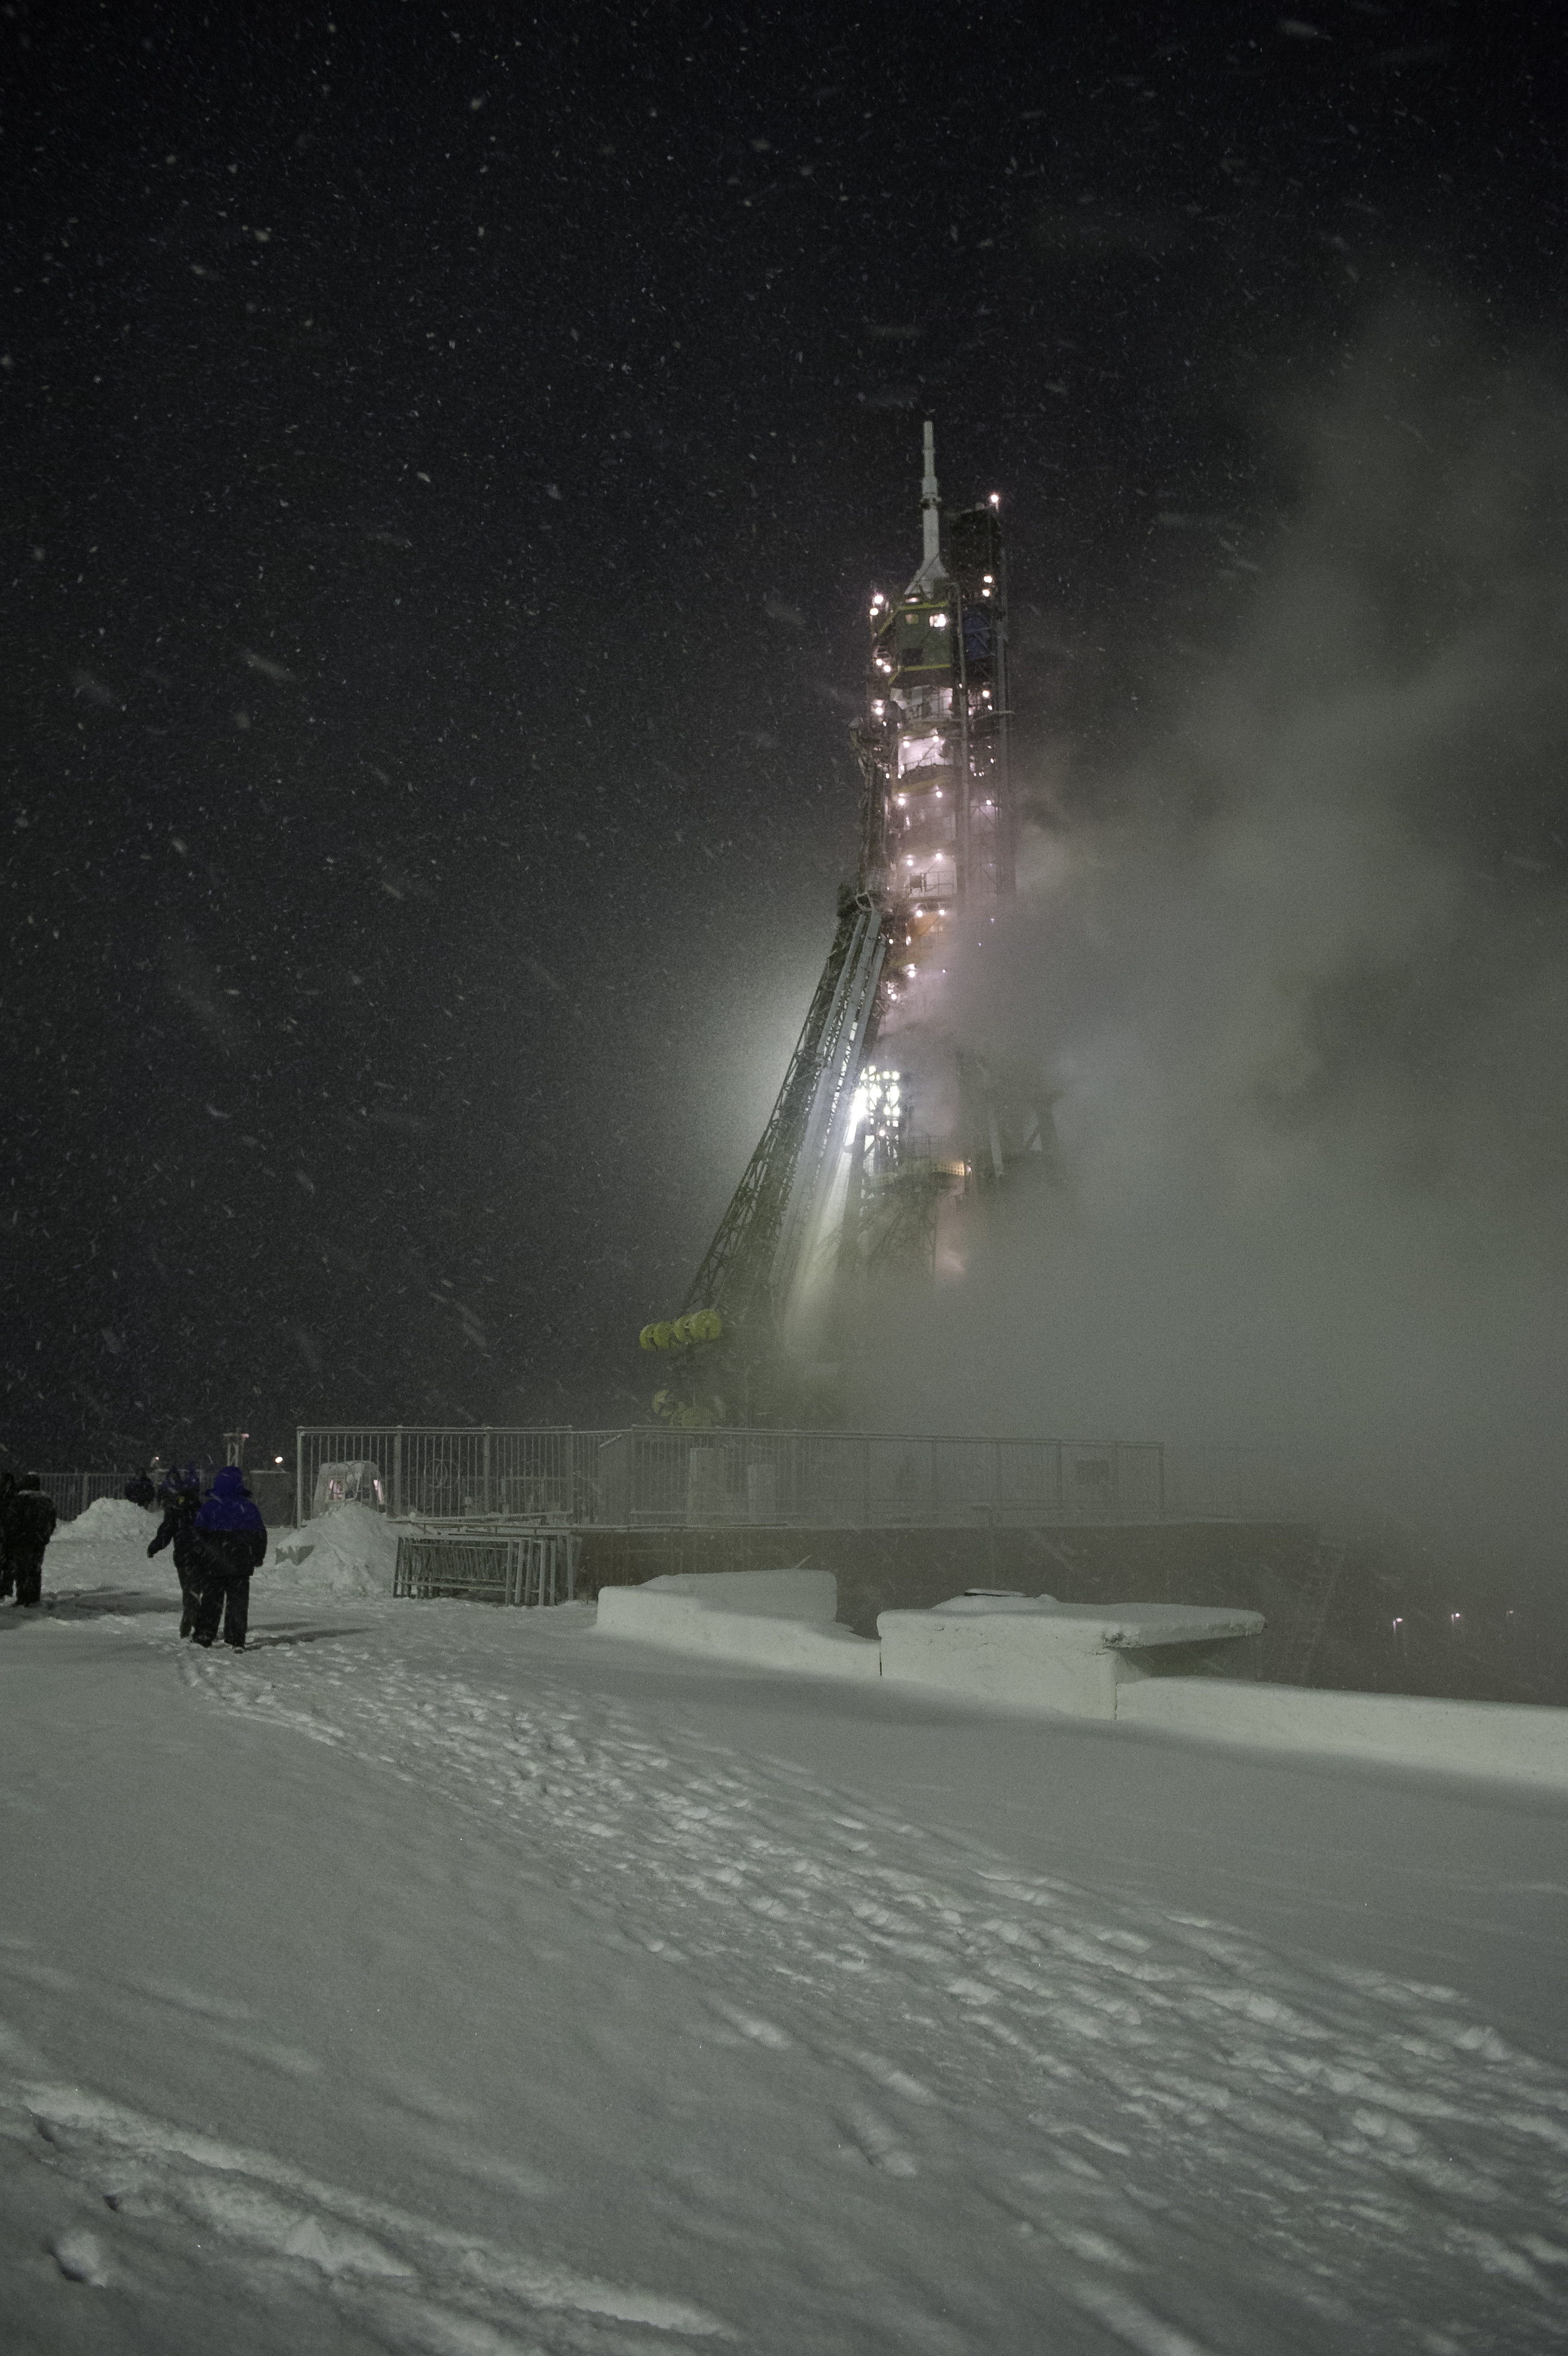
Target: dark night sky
{"points": [[446, 455]]}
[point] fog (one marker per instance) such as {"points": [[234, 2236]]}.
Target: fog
{"points": [[1292, 955]]}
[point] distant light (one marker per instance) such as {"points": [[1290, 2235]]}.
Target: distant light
{"points": [[277, 1460], [908, 968], [939, 621], [996, 499], [987, 577]]}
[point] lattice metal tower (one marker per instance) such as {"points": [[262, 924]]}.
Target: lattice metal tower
{"points": [[938, 839], [837, 1182]]}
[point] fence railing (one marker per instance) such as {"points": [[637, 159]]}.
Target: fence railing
{"points": [[449, 1472], [651, 1476], [872, 1480], [74, 1492], [537, 1568]]}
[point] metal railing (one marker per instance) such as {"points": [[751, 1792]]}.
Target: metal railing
{"points": [[655, 1476], [872, 1480], [446, 1473], [74, 1492], [537, 1568]]}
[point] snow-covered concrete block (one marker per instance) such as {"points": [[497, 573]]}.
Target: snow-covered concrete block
{"points": [[774, 1619], [1524, 1741], [1036, 1653], [794, 1594]]}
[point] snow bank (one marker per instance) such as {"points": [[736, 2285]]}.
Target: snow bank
{"points": [[1519, 1740], [1078, 1660], [108, 1519], [349, 1551], [775, 1619]]}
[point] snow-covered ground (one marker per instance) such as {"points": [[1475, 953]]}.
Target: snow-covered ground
{"points": [[442, 1978]]}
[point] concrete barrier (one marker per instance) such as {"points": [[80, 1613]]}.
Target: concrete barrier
{"points": [[1127, 1662], [775, 1619], [1036, 1653], [794, 1594], [1520, 1740]]}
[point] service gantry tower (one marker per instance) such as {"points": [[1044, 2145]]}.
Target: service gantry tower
{"points": [[937, 836], [838, 1177]]}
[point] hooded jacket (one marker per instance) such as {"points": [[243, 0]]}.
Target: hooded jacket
{"points": [[178, 1527], [29, 1520], [229, 1534]]}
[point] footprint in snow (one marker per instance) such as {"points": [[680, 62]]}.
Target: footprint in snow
{"points": [[875, 2143]]}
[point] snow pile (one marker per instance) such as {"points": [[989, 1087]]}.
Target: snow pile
{"points": [[108, 1519], [350, 1551]]}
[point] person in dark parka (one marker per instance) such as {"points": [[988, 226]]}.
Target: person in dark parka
{"points": [[7, 1491], [139, 1489], [177, 1529], [30, 1526], [8, 1573], [229, 1539]]}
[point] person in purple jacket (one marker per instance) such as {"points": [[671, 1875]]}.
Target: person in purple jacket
{"points": [[229, 1539]]}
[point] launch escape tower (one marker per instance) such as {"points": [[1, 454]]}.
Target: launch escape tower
{"points": [[839, 1182]]}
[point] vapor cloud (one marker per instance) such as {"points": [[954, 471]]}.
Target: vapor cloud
{"points": [[1298, 972]]}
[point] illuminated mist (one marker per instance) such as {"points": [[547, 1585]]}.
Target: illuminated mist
{"points": [[1298, 967]]}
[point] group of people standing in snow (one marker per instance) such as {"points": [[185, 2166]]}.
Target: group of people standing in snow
{"points": [[218, 1541]]}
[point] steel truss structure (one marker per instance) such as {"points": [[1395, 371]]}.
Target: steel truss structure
{"points": [[749, 1266], [836, 1190]]}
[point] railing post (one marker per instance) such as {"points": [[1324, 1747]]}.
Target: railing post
{"points": [[487, 1507], [398, 1473]]}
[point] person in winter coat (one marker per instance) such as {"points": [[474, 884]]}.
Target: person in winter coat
{"points": [[139, 1489], [177, 1477], [30, 1526], [177, 1529], [229, 1539], [7, 1491]]}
